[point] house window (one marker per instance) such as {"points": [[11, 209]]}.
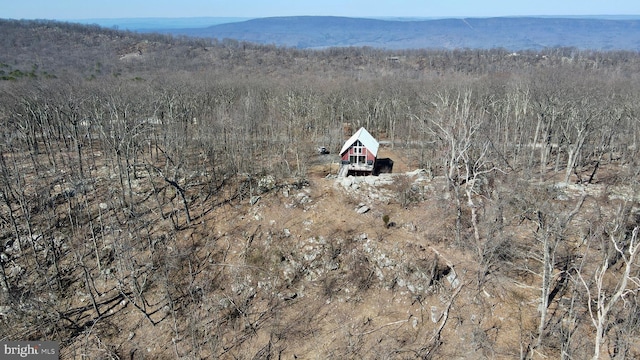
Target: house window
{"points": [[358, 159], [358, 148]]}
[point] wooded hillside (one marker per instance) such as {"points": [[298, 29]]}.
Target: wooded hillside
{"points": [[512, 33], [162, 197]]}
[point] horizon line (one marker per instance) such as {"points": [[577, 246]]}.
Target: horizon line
{"points": [[343, 16]]}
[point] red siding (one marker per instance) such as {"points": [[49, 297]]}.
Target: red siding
{"points": [[367, 153]]}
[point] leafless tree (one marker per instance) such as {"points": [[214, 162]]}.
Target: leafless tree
{"points": [[604, 293]]}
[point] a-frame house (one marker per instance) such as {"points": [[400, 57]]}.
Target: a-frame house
{"points": [[358, 154]]}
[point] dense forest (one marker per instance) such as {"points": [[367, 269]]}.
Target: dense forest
{"points": [[156, 196]]}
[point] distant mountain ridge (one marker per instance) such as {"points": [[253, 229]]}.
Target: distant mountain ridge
{"points": [[512, 33], [163, 24]]}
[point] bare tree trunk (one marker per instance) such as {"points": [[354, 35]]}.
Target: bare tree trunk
{"points": [[551, 234], [87, 284], [604, 303], [534, 145]]}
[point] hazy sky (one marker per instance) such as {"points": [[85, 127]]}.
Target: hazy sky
{"points": [[92, 9]]}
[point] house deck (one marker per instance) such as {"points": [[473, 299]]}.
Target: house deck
{"points": [[355, 169], [360, 167]]}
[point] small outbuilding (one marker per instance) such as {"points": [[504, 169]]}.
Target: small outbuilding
{"points": [[358, 154]]}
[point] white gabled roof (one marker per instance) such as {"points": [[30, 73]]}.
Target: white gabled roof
{"points": [[365, 138]]}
